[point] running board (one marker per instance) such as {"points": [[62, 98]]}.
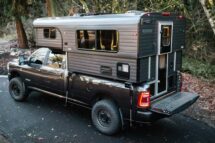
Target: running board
{"points": [[70, 100]]}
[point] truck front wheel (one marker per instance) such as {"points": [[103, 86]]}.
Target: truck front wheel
{"points": [[106, 117], [17, 89]]}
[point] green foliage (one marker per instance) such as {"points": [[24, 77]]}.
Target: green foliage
{"points": [[14, 8], [161, 5], [198, 68]]}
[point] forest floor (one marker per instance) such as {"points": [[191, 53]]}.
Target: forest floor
{"points": [[3, 139], [204, 108]]}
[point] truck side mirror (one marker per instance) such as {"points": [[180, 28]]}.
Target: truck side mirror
{"points": [[22, 60], [34, 62]]}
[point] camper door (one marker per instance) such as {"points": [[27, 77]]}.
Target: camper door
{"points": [[165, 36]]}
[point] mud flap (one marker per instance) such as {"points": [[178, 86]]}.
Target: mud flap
{"points": [[174, 103]]}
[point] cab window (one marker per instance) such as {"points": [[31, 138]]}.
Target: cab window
{"points": [[38, 57], [56, 61]]}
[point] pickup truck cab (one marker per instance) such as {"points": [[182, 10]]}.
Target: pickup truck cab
{"points": [[92, 68]]}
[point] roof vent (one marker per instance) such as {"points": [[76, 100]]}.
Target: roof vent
{"points": [[135, 12]]}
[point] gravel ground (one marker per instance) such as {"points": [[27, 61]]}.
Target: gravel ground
{"points": [[4, 59], [3, 139]]}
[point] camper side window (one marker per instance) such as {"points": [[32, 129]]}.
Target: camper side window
{"points": [[49, 33], [99, 40], [86, 39]]}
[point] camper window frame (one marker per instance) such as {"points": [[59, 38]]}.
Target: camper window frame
{"points": [[50, 30], [96, 50], [159, 38]]}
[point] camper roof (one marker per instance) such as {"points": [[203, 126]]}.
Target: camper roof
{"points": [[107, 19]]}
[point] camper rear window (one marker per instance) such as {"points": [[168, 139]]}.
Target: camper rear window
{"points": [[98, 40], [49, 33], [166, 37]]}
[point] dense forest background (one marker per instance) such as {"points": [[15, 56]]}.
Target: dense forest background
{"points": [[16, 18]]}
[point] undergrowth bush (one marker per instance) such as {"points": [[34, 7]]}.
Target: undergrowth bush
{"points": [[198, 68]]}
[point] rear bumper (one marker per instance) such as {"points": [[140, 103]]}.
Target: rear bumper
{"points": [[167, 106], [148, 116]]}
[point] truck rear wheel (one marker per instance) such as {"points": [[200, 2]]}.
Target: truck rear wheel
{"points": [[17, 89], [106, 117]]}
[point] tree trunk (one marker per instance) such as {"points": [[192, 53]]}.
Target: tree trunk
{"points": [[51, 10], [21, 35]]}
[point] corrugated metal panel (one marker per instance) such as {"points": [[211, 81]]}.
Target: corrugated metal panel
{"points": [[92, 64], [148, 34], [45, 42], [171, 63], [178, 60], [179, 34], [143, 69], [127, 42], [153, 68], [147, 39]]}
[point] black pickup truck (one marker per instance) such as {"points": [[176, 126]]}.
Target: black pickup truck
{"points": [[121, 75], [113, 103]]}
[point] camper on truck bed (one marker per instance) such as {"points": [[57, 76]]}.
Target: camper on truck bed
{"points": [[124, 67]]}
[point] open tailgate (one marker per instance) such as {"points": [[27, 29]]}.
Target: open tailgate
{"points": [[174, 103]]}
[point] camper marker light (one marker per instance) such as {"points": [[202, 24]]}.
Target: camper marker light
{"points": [[125, 68], [143, 99], [166, 13], [181, 17]]}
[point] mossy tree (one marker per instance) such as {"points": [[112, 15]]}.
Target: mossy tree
{"points": [[16, 9]]}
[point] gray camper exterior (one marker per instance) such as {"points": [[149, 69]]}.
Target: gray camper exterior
{"points": [[124, 67], [137, 38]]}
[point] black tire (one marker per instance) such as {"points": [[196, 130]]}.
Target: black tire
{"points": [[106, 117], [17, 89]]}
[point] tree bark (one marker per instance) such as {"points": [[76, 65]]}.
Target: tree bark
{"points": [[51, 11], [21, 35]]}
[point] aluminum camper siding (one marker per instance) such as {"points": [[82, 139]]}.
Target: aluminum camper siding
{"points": [[41, 41], [91, 62]]}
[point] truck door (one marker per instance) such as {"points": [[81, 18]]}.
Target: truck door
{"points": [[53, 73], [165, 34], [31, 71]]}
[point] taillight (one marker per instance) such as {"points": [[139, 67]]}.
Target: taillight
{"points": [[166, 13], [143, 99]]}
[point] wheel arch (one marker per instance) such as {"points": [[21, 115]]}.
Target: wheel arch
{"points": [[14, 74], [104, 95]]}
